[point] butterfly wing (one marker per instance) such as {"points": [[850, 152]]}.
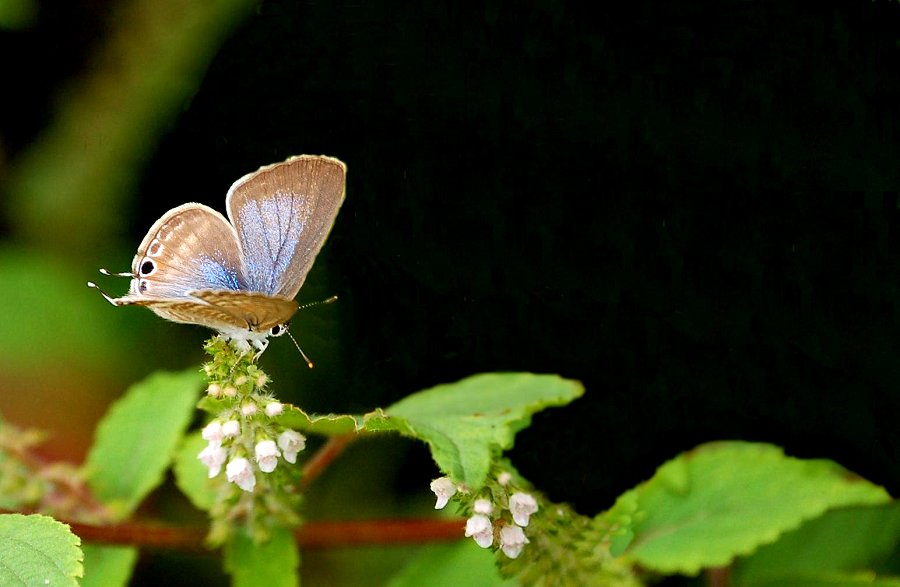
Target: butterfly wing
{"points": [[258, 312], [189, 310], [283, 214], [191, 247]]}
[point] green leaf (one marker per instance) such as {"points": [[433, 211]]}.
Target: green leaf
{"points": [[846, 539], [272, 564], [451, 565], [467, 422], [108, 566], [325, 424], [725, 499], [825, 579], [192, 476], [38, 550], [136, 439]]}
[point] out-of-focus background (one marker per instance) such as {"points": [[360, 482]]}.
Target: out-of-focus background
{"points": [[691, 207]]}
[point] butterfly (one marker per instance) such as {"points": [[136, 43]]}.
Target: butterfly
{"points": [[239, 275]]}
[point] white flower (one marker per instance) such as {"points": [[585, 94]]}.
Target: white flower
{"points": [[522, 505], [512, 540], [291, 442], [231, 428], [267, 455], [248, 409], [444, 489], [504, 478], [213, 432], [213, 456], [484, 506], [274, 409], [240, 472], [479, 527], [214, 389]]}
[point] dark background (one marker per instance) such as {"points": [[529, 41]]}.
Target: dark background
{"points": [[691, 207]]}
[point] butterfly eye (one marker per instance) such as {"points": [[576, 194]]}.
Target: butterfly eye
{"points": [[148, 267], [278, 330]]}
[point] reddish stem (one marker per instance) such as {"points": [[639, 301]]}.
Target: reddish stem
{"points": [[311, 535], [316, 465]]}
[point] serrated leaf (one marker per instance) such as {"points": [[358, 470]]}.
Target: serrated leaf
{"points": [[272, 564], [465, 423], [38, 550], [136, 439], [726, 499], [846, 539], [108, 566], [324, 424], [192, 476], [452, 565]]}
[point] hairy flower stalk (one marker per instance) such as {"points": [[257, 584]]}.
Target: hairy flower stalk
{"points": [[533, 538], [249, 453]]}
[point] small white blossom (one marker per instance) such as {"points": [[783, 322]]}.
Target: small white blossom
{"points": [[240, 473], [213, 456], [291, 442], [231, 428], [522, 505], [274, 409], [240, 380], [213, 432], [484, 506], [444, 489], [214, 389], [248, 409], [267, 455], [479, 527], [512, 540], [504, 478]]}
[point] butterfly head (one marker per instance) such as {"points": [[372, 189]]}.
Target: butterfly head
{"points": [[278, 329]]}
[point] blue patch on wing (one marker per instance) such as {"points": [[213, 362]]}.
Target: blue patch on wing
{"points": [[215, 275]]}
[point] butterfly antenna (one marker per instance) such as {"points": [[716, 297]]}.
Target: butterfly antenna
{"points": [[319, 303], [302, 354], [105, 295], [111, 274], [294, 340]]}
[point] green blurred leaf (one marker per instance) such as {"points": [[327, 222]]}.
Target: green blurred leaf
{"points": [[192, 476], [846, 539], [17, 14], [467, 422], [108, 566], [135, 440], [826, 579], [725, 499], [451, 565], [272, 564], [48, 311], [38, 550]]}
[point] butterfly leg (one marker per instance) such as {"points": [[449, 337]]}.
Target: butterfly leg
{"points": [[261, 344]]}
